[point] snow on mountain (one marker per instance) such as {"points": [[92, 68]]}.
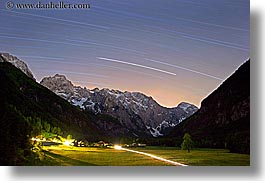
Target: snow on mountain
{"points": [[6, 57], [137, 112]]}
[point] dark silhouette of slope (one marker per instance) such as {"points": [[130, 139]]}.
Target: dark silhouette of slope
{"points": [[22, 100], [223, 121]]}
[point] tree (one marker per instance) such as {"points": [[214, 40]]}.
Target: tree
{"points": [[47, 127], [36, 126], [69, 137], [54, 130], [59, 131], [187, 143]]}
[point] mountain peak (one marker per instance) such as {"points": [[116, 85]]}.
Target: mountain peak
{"points": [[58, 83], [187, 107], [6, 57], [59, 76]]}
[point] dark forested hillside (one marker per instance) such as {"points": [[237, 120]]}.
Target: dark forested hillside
{"points": [[25, 103], [223, 121]]}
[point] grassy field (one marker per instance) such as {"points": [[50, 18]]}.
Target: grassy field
{"points": [[200, 157], [86, 156]]}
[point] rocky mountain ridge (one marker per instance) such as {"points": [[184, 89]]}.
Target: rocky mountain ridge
{"points": [[135, 111], [223, 121], [6, 57]]}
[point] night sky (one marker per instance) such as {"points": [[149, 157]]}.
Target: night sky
{"points": [[172, 50]]}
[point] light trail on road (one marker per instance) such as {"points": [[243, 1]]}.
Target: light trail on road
{"points": [[150, 155]]}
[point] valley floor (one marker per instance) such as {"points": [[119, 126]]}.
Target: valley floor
{"points": [[87, 156]]}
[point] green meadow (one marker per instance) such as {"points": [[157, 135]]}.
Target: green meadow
{"points": [[200, 156], [90, 156]]}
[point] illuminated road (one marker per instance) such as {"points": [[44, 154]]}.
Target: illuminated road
{"points": [[150, 155]]}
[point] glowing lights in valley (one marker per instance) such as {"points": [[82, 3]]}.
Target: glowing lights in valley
{"points": [[117, 147], [35, 139], [67, 143], [63, 141]]}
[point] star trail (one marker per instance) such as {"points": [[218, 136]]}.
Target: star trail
{"points": [[172, 50]]}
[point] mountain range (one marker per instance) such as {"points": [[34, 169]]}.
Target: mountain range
{"points": [[137, 112], [113, 112]]}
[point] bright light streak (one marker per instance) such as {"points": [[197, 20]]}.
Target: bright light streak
{"points": [[117, 147], [67, 143], [153, 156], [136, 65], [35, 139], [183, 68]]}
